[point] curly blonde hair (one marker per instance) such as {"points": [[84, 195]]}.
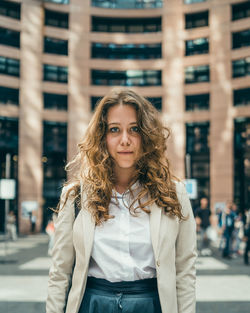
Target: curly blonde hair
{"points": [[94, 167]]}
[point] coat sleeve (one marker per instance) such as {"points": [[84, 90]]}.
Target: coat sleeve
{"points": [[63, 257], [186, 255]]}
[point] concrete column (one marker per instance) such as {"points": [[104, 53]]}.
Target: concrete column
{"points": [[172, 78], [221, 122], [79, 73], [30, 123]]}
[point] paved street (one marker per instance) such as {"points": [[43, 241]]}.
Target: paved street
{"points": [[222, 286]]}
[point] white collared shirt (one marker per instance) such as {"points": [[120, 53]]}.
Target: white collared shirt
{"points": [[122, 249]]}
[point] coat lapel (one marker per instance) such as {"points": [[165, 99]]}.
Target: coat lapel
{"points": [[155, 220]]}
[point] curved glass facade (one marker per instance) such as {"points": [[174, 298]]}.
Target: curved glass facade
{"points": [[127, 51], [126, 25], [126, 78], [58, 1], [128, 4]]}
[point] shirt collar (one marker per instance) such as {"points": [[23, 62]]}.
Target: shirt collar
{"points": [[134, 189]]}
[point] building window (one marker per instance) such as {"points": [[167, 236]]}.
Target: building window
{"points": [[128, 4], [126, 51], [9, 37], [9, 66], [241, 39], [193, 20], [56, 19], [197, 74], [240, 10], [94, 101], [197, 102], [8, 146], [126, 25], [157, 102], [54, 101], [9, 95], [54, 151], [55, 46], [242, 162], [242, 97], [126, 78], [8, 135], [54, 160], [241, 67], [197, 46], [10, 9], [58, 1], [193, 1], [55, 73], [197, 147]]}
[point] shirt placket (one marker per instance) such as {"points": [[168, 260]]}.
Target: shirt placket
{"points": [[124, 233]]}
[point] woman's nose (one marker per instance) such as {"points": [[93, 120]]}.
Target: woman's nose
{"points": [[125, 140]]}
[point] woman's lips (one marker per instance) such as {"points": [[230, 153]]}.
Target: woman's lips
{"points": [[125, 152]]}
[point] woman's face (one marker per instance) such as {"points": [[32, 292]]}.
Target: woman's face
{"points": [[123, 138]]}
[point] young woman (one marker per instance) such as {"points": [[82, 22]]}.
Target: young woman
{"points": [[132, 246]]}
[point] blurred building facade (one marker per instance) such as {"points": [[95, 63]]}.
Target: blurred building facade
{"points": [[191, 58]]}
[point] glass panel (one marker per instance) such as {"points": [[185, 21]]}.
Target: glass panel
{"points": [[197, 46], [56, 19], [55, 101], [132, 25], [9, 37], [240, 10], [196, 74], [193, 1], [197, 102], [197, 146], [194, 20], [242, 97], [9, 95], [9, 66], [55, 46], [241, 67], [59, 1], [55, 73], [10, 9], [241, 39], [242, 162], [126, 78], [128, 4]]}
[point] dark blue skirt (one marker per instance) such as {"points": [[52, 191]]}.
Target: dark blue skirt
{"points": [[102, 296]]}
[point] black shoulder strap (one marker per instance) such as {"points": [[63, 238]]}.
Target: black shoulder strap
{"points": [[77, 200]]}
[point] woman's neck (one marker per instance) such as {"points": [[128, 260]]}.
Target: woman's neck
{"points": [[124, 178]]}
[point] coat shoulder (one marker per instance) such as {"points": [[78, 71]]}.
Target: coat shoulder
{"points": [[180, 188]]}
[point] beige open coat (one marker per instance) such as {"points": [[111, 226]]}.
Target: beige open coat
{"points": [[174, 245]]}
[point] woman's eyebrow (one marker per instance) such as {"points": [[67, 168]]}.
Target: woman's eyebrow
{"points": [[114, 123], [117, 123]]}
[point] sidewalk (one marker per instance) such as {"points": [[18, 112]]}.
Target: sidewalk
{"points": [[222, 285]]}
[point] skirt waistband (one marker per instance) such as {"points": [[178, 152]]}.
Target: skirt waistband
{"points": [[125, 287]]}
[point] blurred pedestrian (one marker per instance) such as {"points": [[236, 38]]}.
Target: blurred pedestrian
{"points": [[202, 217], [132, 246], [238, 231], [33, 222], [11, 226], [247, 237], [228, 228], [50, 230]]}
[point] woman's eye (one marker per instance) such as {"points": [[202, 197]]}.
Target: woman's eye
{"points": [[114, 129], [135, 129]]}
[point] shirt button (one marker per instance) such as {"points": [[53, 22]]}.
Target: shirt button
{"points": [[158, 263]]}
